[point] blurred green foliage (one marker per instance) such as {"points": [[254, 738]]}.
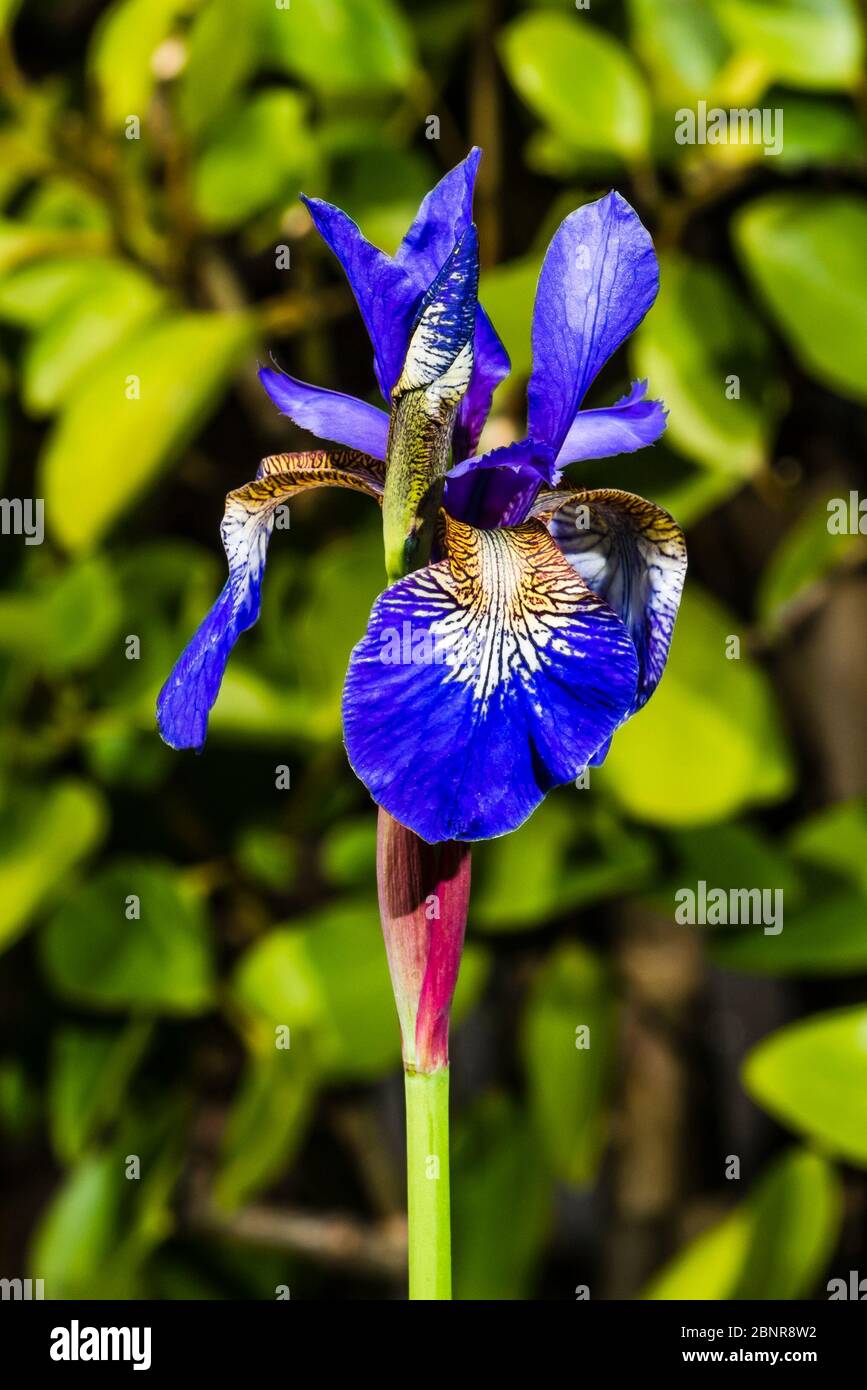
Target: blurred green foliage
{"points": [[164, 918]]}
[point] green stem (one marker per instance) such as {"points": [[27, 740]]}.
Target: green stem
{"points": [[427, 1181]]}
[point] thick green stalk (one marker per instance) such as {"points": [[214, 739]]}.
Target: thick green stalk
{"points": [[427, 1181]]}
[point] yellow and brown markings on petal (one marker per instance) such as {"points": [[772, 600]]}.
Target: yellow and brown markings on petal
{"points": [[631, 553], [509, 595], [249, 516]]}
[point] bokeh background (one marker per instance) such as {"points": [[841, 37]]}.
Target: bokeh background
{"points": [[712, 1141]]}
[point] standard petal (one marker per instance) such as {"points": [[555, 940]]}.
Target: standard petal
{"points": [[598, 279], [188, 695], [630, 424], [490, 366], [387, 295], [483, 681], [328, 414], [632, 554], [443, 217]]}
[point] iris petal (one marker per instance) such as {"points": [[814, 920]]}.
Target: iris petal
{"points": [[328, 414], [387, 295], [188, 695], [483, 681], [633, 555], [598, 279], [630, 424], [490, 366]]}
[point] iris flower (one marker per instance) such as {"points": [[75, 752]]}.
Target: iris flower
{"points": [[543, 617], [526, 618]]}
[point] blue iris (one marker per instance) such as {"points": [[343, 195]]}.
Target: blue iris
{"points": [[543, 620]]}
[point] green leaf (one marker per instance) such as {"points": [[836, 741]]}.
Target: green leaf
{"points": [[496, 1170], [31, 295], [806, 43], [808, 553], [328, 982], [579, 855], [774, 1245], [835, 840], [101, 1226], [108, 446], [580, 82], [266, 1125], [710, 742], [681, 44], [812, 1077], [160, 962], [569, 1038], [90, 1072], [697, 338], [340, 47], [20, 244], [222, 51], [67, 624], [255, 157], [803, 251], [825, 937], [120, 59], [508, 294], [81, 330], [42, 838]]}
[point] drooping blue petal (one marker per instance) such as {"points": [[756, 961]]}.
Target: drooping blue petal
{"points": [[483, 681], [630, 424], [387, 294], [188, 695], [599, 278], [328, 414], [633, 555]]}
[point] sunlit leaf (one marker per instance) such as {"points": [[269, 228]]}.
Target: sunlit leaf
{"points": [[255, 156], [774, 1245], [709, 743], [121, 55], [43, 837], [812, 1077], [708, 357], [341, 46], [803, 251], [551, 58], [806, 43], [110, 442], [86, 325]]}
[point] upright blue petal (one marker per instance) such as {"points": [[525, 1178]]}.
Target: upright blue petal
{"points": [[188, 695], [387, 294], [328, 414], [598, 279], [490, 366], [632, 423], [443, 217], [483, 681]]}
